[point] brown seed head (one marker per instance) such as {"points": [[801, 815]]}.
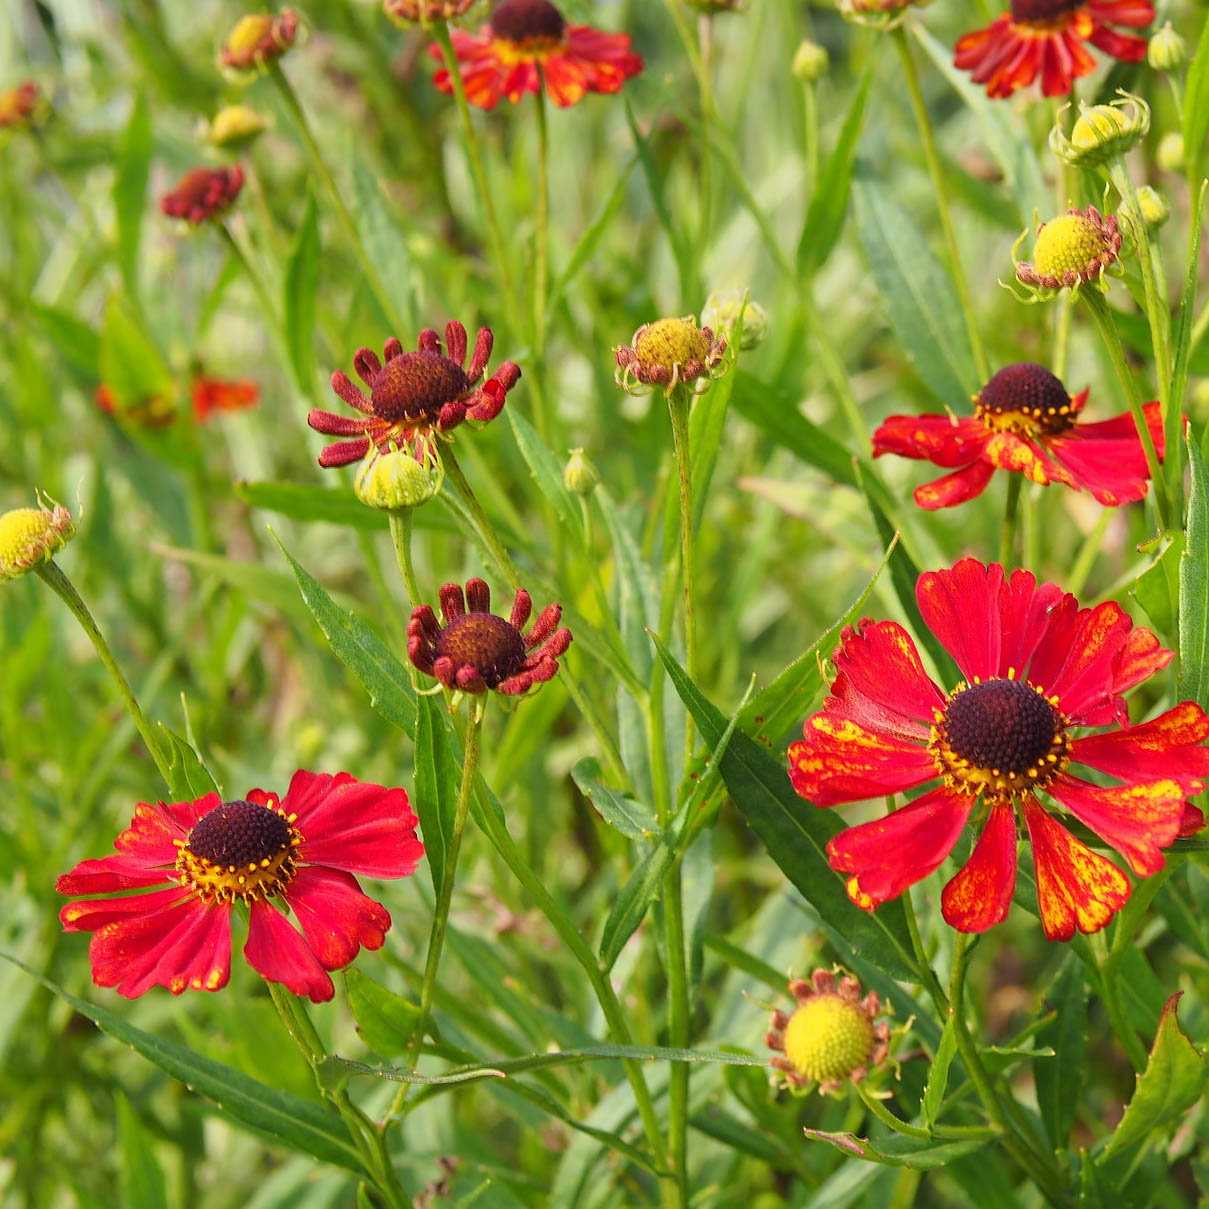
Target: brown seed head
{"points": [[489, 644], [416, 386], [526, 20]]}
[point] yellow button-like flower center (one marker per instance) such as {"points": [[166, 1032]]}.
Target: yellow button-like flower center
{"points": [[1067, 244], [828, 1037], [672, 342], [20, 527]]}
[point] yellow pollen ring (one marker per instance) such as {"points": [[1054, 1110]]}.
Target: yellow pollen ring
{"points": [[249, 883], [529, 50]]}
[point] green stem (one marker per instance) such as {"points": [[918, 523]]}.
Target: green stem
{"points": [[705, 39], [482, 525], [810, 94], [1011, 515], [679, 402], [882, 1113], [1038, 1166], [678, 1028], [440, 31], [65, 590], [254, 278], [1098, 305], [541, 229], [400, 532], [936, 171], [1110, 989], [319, 165]]}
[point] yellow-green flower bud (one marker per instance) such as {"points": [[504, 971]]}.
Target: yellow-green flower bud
{"points": [[1153, 206], [1166, 50], [234, 127], [395, 480], [721, 314], [30, 537], [579, 475], [1102, 132], [1169, 154], [810, 61]]}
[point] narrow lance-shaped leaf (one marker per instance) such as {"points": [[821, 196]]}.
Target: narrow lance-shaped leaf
{"points": [[1194, 588]]}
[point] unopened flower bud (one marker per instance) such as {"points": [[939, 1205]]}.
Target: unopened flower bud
{"points": [[880, 14], [395, 480], [721, 314], [810, 61], [579, 475], [234, 127], [1166, 50], [1102, 132], [1153, 206], [30, 537], [1169, 154]]}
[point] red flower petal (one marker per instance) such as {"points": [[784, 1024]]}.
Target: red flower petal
{"points": [[92, 914], [881, 682], [955, 488], [279, 953], [336, 918], [109, 873], [961, 607], [942, 440], [841, 761], [1007, 451], [1137, 820], [981, 893], [1077, 660], [1166, 746], [188, 945], [1076, 888], [890, 854]]}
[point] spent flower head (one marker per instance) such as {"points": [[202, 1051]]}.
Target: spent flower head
{"points": [[1074, 250], [203, 194], [880, 14], [420, 12], [832, 1036], [723, 310], [256, 41], [31, 537], [1102, 132], [668, 353]]}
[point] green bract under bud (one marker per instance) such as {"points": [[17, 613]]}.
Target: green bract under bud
{"points": [[1166, 50], [395, 480], [722, 311], [1103, 132], [579, 475], [30, 537], [810, 61]]}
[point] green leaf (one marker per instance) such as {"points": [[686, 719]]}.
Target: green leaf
{"points": [[938, 1076], [773, 710], [130, 189], [436, 781], [1194, 588], [74, 340], [1175, 1078], [1155, 590], [387, 1022], [547, 473], [1060, 1081], [1185, 319], [335, 505], [621, 812], [188, 778], [921, 300], [795, 835], [361, 651], [130, 363], [1196, 108], [381, 234], [271, 1114], [299, 289], [774, 411], [141, 1178], [898, 1151], [829, 200], [633, 901]]}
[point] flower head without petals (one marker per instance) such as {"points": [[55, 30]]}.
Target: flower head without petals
{"points": [[668, 353], [832, 1036], [411, 12], [527, 43], [256, 41], [1075, 249], [413, 396], [475, 650], [1001, 747], [1102, 132], [194, 861], [880, 14], [1046, 38], [203, 194], [30, 537], [1024, 421]]}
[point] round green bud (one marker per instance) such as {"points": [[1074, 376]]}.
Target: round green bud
{"points": [[810, 61], [395, 480], [721, 314], [1169, 154], [579, 475], [1166, 50]]}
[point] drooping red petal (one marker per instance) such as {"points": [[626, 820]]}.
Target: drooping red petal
{"points": [[187, 945], [278, 952], [336, 918], [881, 682], [839, 760], [1135, 13], [887, 855], [1125, 47], [110, 873], [1009, 452], [1137, 819], [1140, 657], [1076, 888], [943, 440], [1076, 660], [961, 607], [981, 893], [91, 914], [956, 488], [1106, 458], [1170, 745]]}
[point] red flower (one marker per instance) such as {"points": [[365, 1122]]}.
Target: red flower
{"points": [[1046, 37], [1036, 668], [302, 852], [214, 394], [203, 193], [475, 650], [414, 394], [19, 104], [528, 41], [1024, 421], [151, 411]]}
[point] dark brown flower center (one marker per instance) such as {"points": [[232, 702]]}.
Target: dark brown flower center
{"points": [[523, 20], [1001, 725], [415, 386], [489, 644], [1029, 391], [1043, 10], [238, 834]]}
